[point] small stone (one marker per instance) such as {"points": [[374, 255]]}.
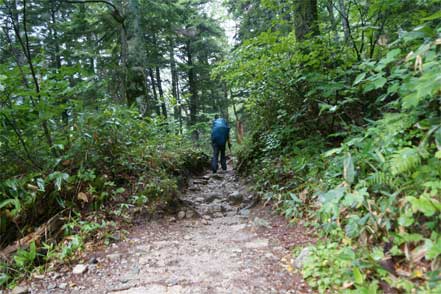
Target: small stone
{"points": [[20, 290], [299, 261], [38, 277], [256, 244], [117, 236], [206, 217], [244, 212], [189, 214], [51, 286], [260, 222], [92, 267], [181, 214], [114, 256], [172, 282], [62, 286], [204, 221], [172, 219], [187, 237], [56, 276], [270, 255], [79, 269], [93, 260], [235, 197], [218, 214]]}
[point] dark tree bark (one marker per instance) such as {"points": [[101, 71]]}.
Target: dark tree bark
{"points": [[193, 105], [306, 19], [161, 92], [155, 94], [54, 33]]}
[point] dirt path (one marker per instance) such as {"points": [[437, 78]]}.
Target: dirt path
{"points": [[222, 246]]}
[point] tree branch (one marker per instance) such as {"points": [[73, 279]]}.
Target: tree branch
{"points": [[92, 1]]}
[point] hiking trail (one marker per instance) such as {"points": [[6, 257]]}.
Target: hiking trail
{"points": [[223, 245]]}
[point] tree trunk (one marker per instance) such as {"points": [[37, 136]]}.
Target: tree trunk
{"points": [[306, 19], [177, 113], [161, 93], [155, 94], [192, 85], [54, 33], [344, 19], [333, 22]]}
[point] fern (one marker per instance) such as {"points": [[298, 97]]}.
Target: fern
{"points": [[405, 160], [382, 178]]}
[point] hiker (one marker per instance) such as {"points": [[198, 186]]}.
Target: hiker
{"points": [[220, 135]]}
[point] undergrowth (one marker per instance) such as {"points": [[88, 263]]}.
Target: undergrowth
{"points": [[116, 165], [368, 179]]}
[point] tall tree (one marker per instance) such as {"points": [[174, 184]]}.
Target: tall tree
{"points": [[306, 19]]}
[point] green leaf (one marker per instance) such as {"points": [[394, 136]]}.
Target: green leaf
{"points": [[406, 220], [352, 229], [4, 278], [41, 184], [434, 16], [359, 78], [380, 82], [348, 169], [333, 151], [422, 204], [433, 249], [358, 276], [58, 178], [377, 253], [356, 198]]}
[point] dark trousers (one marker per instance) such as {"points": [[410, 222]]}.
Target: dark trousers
{"points": [[216, 150]]}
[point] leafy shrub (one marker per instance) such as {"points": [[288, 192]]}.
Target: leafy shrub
{"points": [[354, 146]]}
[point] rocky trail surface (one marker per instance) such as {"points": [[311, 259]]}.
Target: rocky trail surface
{"points": [[218, 243]]}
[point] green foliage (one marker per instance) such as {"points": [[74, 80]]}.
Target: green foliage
{"points": [[24, 259], [352, 143], [109, 154]]}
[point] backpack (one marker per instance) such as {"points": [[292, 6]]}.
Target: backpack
{"points": [[219, 132]]}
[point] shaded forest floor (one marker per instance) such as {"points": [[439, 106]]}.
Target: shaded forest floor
{"points": [[221, 241]]}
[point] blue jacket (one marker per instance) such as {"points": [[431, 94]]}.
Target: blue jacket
{"points": [[220, 132]]}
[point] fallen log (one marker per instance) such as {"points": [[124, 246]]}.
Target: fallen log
{"points": [[47, 232]]}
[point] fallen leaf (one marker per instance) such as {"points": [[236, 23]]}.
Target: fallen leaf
{"points": [[83, 197]]}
